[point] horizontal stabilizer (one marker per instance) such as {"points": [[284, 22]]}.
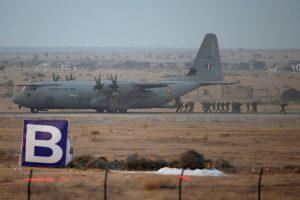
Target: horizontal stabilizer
{"points": [[218, 83]]}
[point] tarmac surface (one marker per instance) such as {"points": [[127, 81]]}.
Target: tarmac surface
{"points": [[88, 116]]}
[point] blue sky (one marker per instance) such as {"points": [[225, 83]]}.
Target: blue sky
{"points": [[149, 23]]}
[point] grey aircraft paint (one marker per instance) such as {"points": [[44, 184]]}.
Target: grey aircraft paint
{"points": [[112, 95]]}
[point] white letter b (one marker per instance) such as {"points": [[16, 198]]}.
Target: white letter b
{"points": [[32, 142]]}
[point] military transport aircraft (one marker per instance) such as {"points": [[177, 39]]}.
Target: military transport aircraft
{"points": [[119, 96]]}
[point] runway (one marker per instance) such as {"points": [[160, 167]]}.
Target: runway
{"points": [[91, 116]]}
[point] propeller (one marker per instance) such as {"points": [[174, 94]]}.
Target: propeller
{"points": [[98, 85], [69, 78], [114, 97], [114, 82], [55, 77]]}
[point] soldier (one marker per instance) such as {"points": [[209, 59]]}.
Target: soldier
{"points": [[214, 106], [179, 105], [205, 106], [283, 105], [218, 107], [233, 106], [222, 107], [254, 106], [208, 105], [248, 106], [227, 104], [239, 104], [186, 106], [192, 105]]}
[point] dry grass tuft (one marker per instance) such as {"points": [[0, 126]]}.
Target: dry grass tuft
{"points": [[94, 133], [153, 183], [145, 126]]}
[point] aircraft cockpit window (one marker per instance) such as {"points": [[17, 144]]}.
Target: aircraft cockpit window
{"points": [[30, 88], [192, 72]]}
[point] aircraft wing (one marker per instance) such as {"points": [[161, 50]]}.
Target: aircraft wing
{"points": [[40, 84], [150, 85]]}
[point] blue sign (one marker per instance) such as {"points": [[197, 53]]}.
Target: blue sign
{"points": [[45, 143]]}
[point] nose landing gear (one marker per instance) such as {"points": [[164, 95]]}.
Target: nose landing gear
{"points": [[34, 110]]}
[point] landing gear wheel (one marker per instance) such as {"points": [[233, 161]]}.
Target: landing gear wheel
{"points": [[34, 110], [123, 110], [109, 110], [100, 110]]}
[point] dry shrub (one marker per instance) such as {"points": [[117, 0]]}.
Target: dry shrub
{"points": [[291, 169], [160, 182], [191, 159], [135, 162], [100, 162], [87, 161], [81, 161], [208, 164], [224, 165]]}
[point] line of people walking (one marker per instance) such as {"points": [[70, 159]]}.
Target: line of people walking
{"points": [[224, 106]]}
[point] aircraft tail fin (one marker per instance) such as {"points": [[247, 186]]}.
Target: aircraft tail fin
{"points": [[207, 65]]}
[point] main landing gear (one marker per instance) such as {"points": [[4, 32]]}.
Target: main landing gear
{"points": [[101, 110]]}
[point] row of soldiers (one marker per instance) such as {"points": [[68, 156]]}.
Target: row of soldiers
{"points": [[221, 106], [225, 106], [185, 107], [215, 106]]}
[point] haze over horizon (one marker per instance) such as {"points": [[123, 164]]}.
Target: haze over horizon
{"points": [[244, 24]]}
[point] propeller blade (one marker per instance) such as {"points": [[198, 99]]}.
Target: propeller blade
{"points": [[98, 85], [55, 77], [114, 82]]}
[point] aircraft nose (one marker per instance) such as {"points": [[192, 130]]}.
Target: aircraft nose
{"points": [[16, 99]]}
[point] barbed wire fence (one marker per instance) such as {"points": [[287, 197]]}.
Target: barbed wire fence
{"points": [[106, 192]]}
